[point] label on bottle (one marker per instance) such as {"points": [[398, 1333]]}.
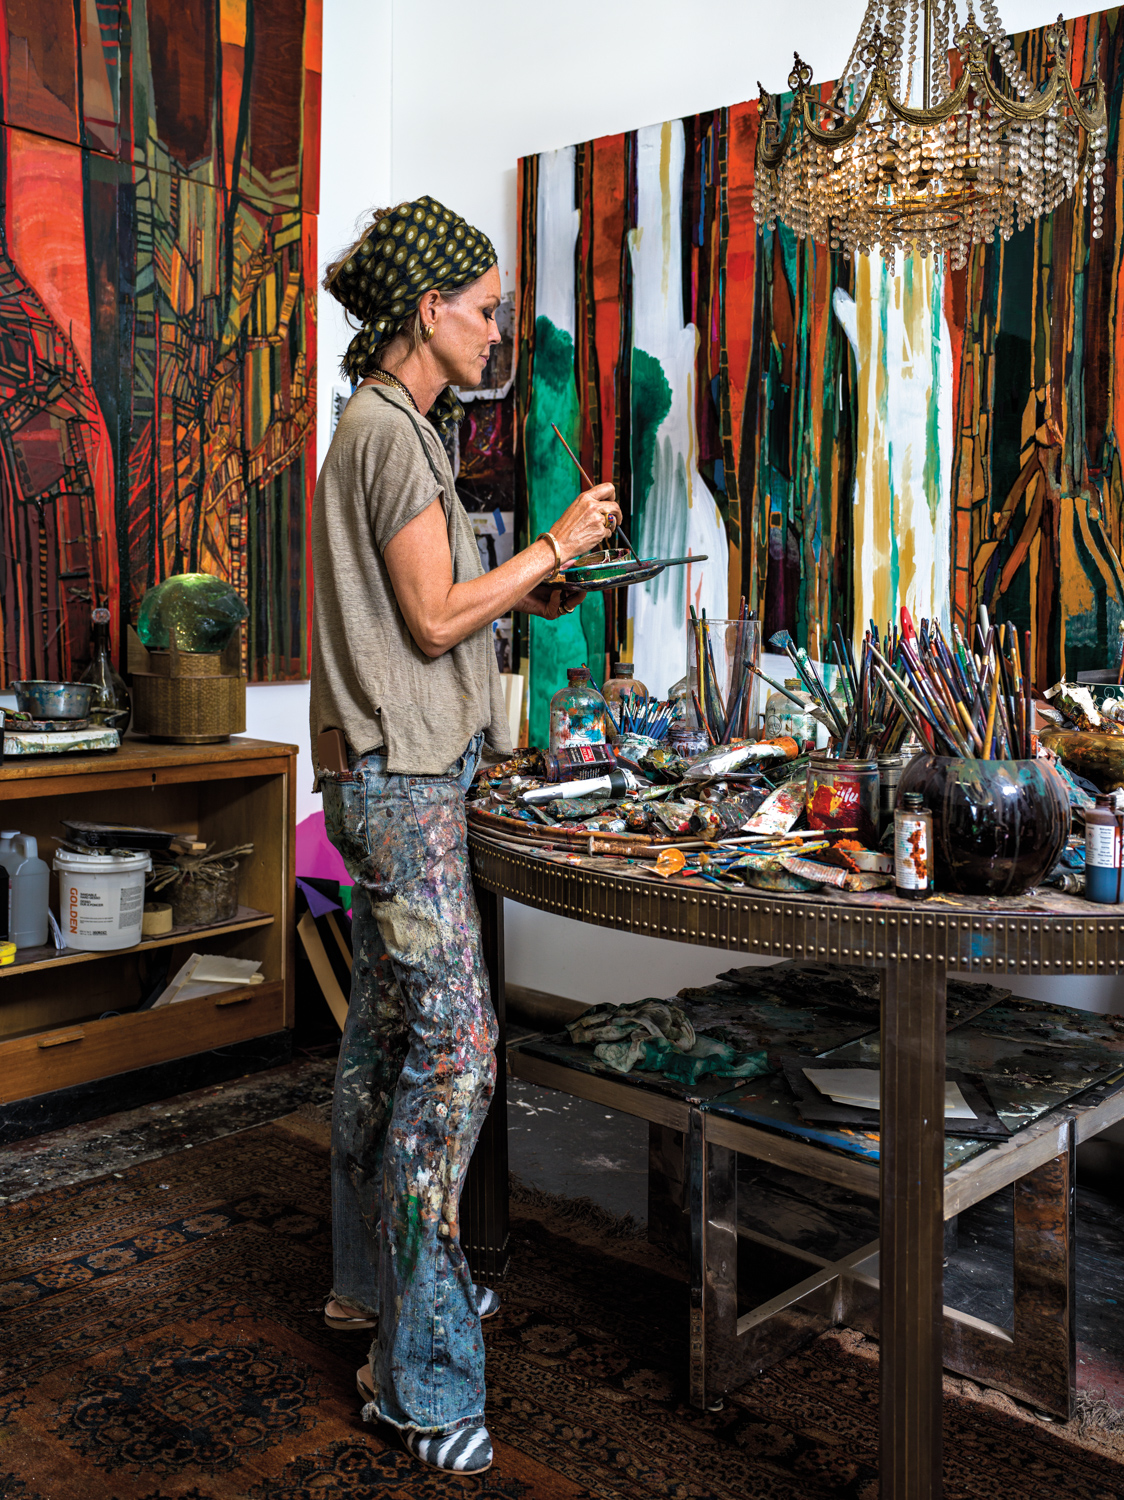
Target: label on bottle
{"points": [[911, 853], [580, 762], [1102, 845]]}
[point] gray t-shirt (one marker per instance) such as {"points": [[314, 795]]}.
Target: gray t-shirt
{"points": [[386, 464]]}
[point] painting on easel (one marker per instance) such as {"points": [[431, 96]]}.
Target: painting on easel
{"points": [[840, 437], [158, 197]]}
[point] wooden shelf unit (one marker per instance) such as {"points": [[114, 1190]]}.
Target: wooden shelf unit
{"points": [[27, 959], [52, 1034]]}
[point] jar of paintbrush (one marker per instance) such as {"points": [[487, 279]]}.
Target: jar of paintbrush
{"points": [[724, 689], [1000, 815]]}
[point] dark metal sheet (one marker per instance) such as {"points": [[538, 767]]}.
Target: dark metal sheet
{"points": [[1033, 1057], [817, 1108]]}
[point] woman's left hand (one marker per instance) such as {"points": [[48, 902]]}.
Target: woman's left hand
{"points": [[550, 600]]}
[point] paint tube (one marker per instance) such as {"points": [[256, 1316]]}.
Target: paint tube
{"points": [[614, 786], [715, 819], [779, 811], [721, 760]]}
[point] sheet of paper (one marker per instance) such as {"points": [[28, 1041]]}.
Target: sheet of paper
{"points": [[208, 974], [859, 1087]]}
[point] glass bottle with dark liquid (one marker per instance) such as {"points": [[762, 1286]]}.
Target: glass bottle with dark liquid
{"points": [[111, 704]]}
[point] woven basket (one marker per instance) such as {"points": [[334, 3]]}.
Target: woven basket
{"points": [[189, 710]]}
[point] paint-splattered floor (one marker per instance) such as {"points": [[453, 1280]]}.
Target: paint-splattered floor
{"points": [[114, 1142], [577, 1149]]}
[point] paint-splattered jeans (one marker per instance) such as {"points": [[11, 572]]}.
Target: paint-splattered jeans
{"points": [[415, 1077]]}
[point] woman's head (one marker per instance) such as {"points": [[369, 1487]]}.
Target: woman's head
{"points": [[419, 276]]}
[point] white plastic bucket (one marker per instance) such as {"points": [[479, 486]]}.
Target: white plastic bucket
{"points": [[101, 899]]}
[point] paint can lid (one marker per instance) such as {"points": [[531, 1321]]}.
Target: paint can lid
{"points": [[119, 862]]}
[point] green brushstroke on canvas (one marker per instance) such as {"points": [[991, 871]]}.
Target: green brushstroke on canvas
{"points": [[552, 483], [651, 402]]}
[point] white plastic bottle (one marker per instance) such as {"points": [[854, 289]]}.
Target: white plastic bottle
{"points": [[29, 887]]}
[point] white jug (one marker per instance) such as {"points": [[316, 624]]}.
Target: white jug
{"points": [[29, 889]]}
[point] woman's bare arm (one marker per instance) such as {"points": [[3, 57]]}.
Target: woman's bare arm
{"points": [[440, 613]]}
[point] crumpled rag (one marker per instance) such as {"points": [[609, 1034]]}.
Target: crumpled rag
{"points": [[655, 1036]]}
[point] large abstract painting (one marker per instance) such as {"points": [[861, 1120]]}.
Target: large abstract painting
{"points": [[158, 197], [838, 437]]}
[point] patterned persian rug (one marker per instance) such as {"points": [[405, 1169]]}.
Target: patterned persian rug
{"points": [[161, 1339]]}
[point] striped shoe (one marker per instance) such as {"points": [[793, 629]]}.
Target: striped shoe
{"points": [[487, 1303], [466, 1451]]}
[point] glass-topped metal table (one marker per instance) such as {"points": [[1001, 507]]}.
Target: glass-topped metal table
{"points": [[913, 946]]}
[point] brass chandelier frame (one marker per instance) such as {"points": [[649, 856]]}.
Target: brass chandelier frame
{"points": [[1086, 114]]}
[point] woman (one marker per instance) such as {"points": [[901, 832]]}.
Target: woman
{"points": [[405, 693]]}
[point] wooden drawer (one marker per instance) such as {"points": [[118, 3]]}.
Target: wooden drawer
{"points": [[87, 1050]]}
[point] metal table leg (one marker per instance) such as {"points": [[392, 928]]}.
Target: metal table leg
{"points": [[1036, 1360], [912, 1224], [1046, 1279]]}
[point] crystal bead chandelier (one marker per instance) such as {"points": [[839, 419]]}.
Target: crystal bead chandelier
{"points": [[877, 166]]}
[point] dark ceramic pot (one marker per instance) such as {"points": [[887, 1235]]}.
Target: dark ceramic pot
{"points": [[998, 825]]}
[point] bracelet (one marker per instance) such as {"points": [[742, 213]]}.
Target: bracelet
{"points": [[548, 536]]}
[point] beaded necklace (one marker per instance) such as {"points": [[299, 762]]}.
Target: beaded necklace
{"points": [[387, 378]]}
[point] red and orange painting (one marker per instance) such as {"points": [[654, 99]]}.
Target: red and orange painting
{"points": [[158, 199]]}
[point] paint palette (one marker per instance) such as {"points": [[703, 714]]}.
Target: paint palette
{"points": [[617, 570]]}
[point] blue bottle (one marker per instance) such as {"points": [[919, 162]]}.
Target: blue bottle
{"points": [[1103, 852]]}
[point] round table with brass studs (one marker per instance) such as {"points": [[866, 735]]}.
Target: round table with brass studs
{"points": [[914, 945]]}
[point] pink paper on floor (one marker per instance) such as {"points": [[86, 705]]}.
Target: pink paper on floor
{"points": [[316, 858]]}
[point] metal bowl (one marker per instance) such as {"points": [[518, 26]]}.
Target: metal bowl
{"points": [[54, 700], [1097, 757]]}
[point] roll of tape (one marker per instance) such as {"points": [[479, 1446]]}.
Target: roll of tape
{"points": [[157, 919], [7, 953]]}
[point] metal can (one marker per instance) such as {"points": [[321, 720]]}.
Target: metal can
{"points": [[889, 774], [844, 794]]}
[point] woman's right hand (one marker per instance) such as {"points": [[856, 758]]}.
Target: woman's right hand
{"points": [[588, 523]]}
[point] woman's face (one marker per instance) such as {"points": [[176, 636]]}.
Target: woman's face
{"points": [[464, 330]]}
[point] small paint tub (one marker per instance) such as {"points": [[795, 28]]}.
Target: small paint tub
{"points": [[101, 899], [844, 794]]}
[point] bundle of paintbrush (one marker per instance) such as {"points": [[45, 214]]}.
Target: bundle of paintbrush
{"points": [[962, 702], [875, 724], [725, 716], [635, 714]]}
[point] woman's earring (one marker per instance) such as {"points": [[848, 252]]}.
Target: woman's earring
{"points": [[428, 334]]}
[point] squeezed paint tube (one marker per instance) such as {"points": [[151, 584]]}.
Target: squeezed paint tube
{"points": [[614, 786]]}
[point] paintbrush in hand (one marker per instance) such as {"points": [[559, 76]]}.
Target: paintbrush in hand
{"points": [[589, 485]]}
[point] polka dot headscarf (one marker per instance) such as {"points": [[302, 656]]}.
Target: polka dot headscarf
{"points": [[411, 249]]}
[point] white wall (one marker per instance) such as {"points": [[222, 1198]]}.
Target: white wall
{"points": [[439, 99]]}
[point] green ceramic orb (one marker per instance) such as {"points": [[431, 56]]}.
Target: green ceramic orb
{"points": [[200, 611]]}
